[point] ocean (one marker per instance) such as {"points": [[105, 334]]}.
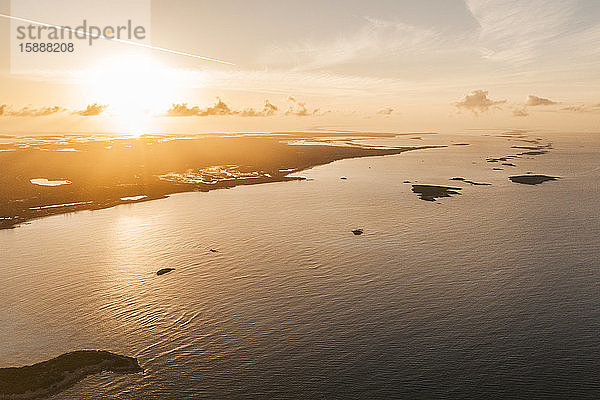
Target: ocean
{"points": [[493, 293]]}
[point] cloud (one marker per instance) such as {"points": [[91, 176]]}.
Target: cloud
{"points": [[182, 110], [517, 30], [385, 111], [539, 101], [30, 111], [299, 109], [268, 111], [582, 109], [371, 39], [520, 112], [574, 108], [478, 101], [220, 108], [92, 110]]}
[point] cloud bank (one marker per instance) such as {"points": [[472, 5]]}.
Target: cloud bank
{"points": [[90, 110], [221, 109]]}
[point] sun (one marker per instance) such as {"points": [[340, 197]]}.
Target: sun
{"points": [[136, 88]]}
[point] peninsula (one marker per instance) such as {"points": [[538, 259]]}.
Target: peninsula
{"points": [[47, 378]]}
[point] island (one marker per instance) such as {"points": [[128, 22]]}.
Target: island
{"points": [[461, 179], [163, 271], [47, 378], [431, 192], [532, 179]]}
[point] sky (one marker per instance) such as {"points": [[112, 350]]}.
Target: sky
{"points": [[393, 65]]}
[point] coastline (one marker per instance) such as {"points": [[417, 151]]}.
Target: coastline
{"points": [[94, 174], [48, 378]]}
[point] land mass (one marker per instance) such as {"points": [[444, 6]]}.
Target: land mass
{"points": [[164, 271], [461, 179], [48, 175], [47, 378], [531, 179], [432, 192]]}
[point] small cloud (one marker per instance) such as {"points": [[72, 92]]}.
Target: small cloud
{"points": [[182, 110], [582, 109], [299, 109], [386, 111], [539, 101], [2, 109], [520, 112], [218, 109], [574, 109], [478, 101], [268, 111], [92, 110]]}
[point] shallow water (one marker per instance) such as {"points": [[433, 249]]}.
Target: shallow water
{"points": [[494, 293]]}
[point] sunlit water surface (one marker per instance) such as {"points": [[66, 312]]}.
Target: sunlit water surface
{"points": [[494, 293]]}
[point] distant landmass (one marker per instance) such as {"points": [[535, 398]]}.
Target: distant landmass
{"points": [[40, 178]]}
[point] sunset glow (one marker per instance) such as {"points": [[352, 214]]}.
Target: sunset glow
{"points": [[333, 199], [136, 88]]}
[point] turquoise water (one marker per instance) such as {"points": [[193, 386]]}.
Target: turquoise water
{"points": [[494, 293]]}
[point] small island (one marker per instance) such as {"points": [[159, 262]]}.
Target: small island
{"points": [[163, 271], [532, 179], [470, 181], [431, 192], [47, 378]]}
